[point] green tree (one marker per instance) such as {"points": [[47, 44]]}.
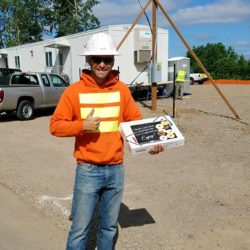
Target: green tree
{"points": [[3, 22], [220, 62], [69, 17], [22, 21], [2, 30], [243, 68], [26, 21]]}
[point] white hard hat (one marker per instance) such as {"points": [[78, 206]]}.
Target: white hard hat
{"points": [[99, 44]]}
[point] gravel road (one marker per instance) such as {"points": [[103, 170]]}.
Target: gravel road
{"points": [[191, 197]]}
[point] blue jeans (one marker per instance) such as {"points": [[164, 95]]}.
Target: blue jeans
{"points": [[96, 184]]}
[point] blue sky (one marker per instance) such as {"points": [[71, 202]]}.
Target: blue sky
{"points": [[199, 21]]}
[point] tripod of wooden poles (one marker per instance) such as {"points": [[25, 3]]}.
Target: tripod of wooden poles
{"points": [[155, 4]]}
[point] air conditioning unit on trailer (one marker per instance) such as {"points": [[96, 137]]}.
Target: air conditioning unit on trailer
{"points": [[142, 45]]}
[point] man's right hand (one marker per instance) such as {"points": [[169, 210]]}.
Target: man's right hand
{"points": [[91, 123]]}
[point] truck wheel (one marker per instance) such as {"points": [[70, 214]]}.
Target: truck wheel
{"points": [[192, 81], [201, 82], [25, 110]]}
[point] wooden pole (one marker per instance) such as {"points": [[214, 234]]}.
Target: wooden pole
{"points": [[132, 26], [154, 56], [197, 59]]}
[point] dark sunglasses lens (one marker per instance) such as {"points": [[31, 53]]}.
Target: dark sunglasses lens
{"points": [[96, 59], [106, 60]]}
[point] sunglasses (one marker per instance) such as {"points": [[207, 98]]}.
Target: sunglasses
{"points": [[98, 59]]}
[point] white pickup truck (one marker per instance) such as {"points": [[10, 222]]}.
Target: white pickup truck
{"points": [[25, 92], [198, 77]]}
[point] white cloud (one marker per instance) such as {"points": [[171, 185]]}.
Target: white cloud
{"points": [[208, 12], [242, 43], [222, 11], [117, 12], [122, 11], [225, 11]]}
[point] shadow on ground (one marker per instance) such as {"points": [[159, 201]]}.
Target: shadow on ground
{"points": [[127, 218], [10, 117]]}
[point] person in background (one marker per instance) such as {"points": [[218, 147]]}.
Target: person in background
{"points": [[91, 110], [179, 83], [65, 77]]}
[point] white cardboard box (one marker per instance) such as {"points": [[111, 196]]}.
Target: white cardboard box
{"points": [[141, 135]]}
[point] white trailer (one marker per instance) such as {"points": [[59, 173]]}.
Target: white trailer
{"points": [[63, 54]]}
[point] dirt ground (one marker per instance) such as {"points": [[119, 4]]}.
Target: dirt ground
{"points": [[187, 198]]}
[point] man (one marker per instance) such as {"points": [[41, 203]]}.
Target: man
{"points": [[65, 77], [91, 110], [179, 83]]}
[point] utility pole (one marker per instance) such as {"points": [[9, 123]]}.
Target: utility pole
{"points": [[155, 4], [154, 54]]}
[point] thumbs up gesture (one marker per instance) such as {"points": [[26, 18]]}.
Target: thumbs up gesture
{"points": [[91, 123]]}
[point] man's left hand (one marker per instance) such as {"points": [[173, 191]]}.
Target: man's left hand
{"points": [[156, 149]]}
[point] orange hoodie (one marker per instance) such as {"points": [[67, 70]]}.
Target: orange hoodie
{"points": [[112, 102]]}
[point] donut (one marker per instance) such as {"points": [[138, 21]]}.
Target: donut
{"points": [[161, 132], [165, 124], [170, 134], [159, 126], [163, 138]]}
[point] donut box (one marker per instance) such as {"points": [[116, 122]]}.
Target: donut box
{"points": [[141, 135]]}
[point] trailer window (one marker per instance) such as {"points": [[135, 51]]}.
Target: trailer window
{"points": [[48, 56], [17, 62]]}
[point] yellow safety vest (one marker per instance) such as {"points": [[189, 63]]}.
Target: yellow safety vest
{"points": [[181, 76]]}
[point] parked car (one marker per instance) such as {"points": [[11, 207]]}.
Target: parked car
{"points": [[5, 75], [198, 77], [27, 91]]}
